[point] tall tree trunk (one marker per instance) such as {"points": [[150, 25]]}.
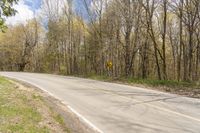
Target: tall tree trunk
{"points": [[164, 39], [127, 54], [180, 41], [190, 69]]}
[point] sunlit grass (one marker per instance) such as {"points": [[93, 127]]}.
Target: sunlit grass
{"points": [[19, 112]]}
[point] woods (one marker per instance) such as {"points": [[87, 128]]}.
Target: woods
{"points": [[143, 39]]}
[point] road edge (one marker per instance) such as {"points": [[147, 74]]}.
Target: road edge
{"points": [[90, 128]]}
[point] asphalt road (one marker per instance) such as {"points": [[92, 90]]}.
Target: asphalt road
{"points": [[115, 108]]}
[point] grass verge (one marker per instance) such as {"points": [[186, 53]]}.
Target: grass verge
{"points": [[190, 89], [24, 111]]}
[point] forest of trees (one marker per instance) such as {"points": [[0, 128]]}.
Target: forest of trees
{"points": [[143, 39]]}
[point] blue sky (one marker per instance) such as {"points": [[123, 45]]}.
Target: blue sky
{"points": [[80, 7], [28, 9], [33, 4]]}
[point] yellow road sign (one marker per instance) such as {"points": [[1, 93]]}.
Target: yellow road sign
{"points": [[109, 64]]}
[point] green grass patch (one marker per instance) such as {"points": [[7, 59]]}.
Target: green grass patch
{"points": [[37, 97], [59, 119], [97, 77], [19, 111], [3, 81], [167, 83], [148, 82], [16, 114]]}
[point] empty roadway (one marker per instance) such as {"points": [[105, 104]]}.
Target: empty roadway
{"points": [[116, 108]]}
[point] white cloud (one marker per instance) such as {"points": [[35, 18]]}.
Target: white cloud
{"points": [[24, 14]]}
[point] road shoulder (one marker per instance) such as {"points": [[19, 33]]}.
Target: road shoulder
{"points": [[69, 121]]}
